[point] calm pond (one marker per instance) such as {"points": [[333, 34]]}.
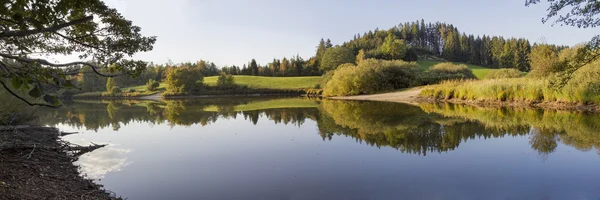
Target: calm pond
{"points": [[298, 148]]}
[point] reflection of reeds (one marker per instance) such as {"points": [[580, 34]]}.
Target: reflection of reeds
{"points": [[578, 129]]}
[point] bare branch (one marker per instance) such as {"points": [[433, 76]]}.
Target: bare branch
{"points": [[23, 99], [44, 30]]}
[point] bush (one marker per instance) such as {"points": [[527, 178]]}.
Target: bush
{"points": [[181, 80], [503, 73], [152, 85], [131, 90], [446, 71], [544, 60], [225, 81], [584, 85], [326, 77], [371, 76]]}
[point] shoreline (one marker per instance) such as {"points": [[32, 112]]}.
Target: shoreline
{"points": [[160, 97], [408, 96], [521, 104], [411, 96], [35, 163]]}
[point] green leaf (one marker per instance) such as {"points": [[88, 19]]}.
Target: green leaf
{"points": [[17, 82], [35, 92], [68, 84], [51, 100], [25, 87]]}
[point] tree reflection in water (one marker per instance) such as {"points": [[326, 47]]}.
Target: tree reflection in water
{"points": [[430, 128]]}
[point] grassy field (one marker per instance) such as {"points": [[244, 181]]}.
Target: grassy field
{"points": [[303, 82], [479, 71]]}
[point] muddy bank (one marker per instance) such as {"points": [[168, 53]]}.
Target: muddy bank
{"points": [[36, 164]]}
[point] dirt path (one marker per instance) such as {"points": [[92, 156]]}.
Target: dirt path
{"points": [[407, 96]]}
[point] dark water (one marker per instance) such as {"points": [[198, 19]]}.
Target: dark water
{"points": [[313, 149]]}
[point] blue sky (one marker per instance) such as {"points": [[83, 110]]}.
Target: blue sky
{"points": [[231, 32]]}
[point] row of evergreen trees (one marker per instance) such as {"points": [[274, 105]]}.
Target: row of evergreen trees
{"points": [[446, 41], [294, 66]]}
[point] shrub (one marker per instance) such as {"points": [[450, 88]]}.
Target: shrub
{"points": [[446, 71], [131, 90], [326, 77], [503, 73], [371, 76], [152, 85], [225, 81], [584, 85], [544, 60], [184, 79]]}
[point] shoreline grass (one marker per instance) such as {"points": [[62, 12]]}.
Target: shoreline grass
{"points": [[510, 90]]}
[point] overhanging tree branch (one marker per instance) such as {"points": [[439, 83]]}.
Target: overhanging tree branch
{"points": [[44, 30], [23, 99], [80, 43], [45, 62]]}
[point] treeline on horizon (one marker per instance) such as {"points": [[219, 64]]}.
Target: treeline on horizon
{"points": [[421, 39], [437, 39], [407, 42]]}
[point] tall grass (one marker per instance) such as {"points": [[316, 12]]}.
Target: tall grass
{"points": [[523, 89], [582, 88], [504, 73]]}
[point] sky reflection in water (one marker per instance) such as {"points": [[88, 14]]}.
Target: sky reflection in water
{"points": [[267, 149]]}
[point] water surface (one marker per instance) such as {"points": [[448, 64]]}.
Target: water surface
{"points": [[320, 149]]}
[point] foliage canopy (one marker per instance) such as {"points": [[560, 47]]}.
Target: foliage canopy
{"points": [[33, 29]]}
